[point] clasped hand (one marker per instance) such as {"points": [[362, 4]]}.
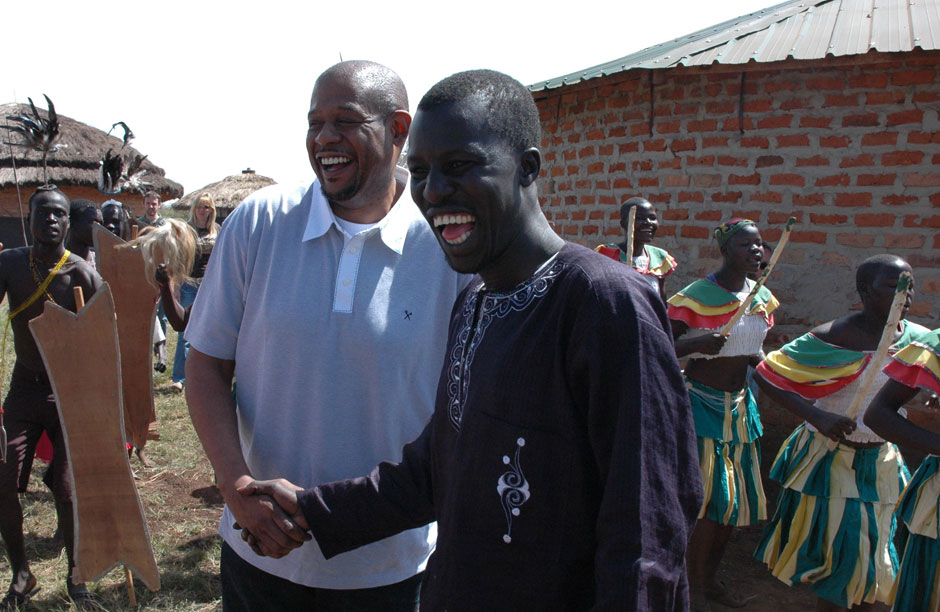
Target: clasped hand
{"points": [[269, 517]]}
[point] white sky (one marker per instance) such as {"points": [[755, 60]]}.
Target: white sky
{"points": [[210, 88]]}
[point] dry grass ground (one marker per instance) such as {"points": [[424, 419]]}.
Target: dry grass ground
{"points": [[182, 508]]}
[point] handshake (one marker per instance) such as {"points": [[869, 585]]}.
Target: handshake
{"points": [[268, 515]]}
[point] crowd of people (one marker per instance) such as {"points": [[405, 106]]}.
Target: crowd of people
{"points": [[440, 402]]}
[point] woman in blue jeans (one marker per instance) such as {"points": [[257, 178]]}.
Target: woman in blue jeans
{"points": [[202, 218]]}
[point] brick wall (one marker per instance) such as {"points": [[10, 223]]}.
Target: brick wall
{"points": [[849, 147]]}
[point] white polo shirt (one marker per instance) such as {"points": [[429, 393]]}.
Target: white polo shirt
{"points": [[338, 344]]}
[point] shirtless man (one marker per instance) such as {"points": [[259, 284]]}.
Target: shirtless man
{"points": [[29, 407]]}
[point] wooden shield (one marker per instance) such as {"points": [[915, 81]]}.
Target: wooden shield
{"points": [[135, 305], [81, 356]]}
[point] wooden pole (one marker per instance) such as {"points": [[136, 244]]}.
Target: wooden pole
{"points": [[79, 298], [726, 330], [631, 221], [887, 339], [134, 230]]}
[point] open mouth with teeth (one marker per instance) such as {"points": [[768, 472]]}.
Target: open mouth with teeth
{"points": [[333, 163], [455, 229]]}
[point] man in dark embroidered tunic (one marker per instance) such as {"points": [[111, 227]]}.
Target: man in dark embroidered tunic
{"points": [[560, 462]]}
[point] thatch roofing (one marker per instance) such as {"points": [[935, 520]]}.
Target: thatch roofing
{"points": [[228, 192], [76, 164]]}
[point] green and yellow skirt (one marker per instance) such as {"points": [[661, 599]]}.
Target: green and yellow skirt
{"points": [[918, 585]]}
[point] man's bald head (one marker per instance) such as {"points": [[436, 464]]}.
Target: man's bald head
{"points": [[381, 88]]}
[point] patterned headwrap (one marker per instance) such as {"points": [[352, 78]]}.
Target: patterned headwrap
{"points": [[725, 231]]}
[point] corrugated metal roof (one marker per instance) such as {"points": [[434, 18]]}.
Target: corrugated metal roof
{"points": [[801, 29]]}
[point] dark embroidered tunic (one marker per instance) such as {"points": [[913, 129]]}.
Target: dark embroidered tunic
{"points": [[560, 462]]}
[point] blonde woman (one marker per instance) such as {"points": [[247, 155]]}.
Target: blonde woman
{"points": [[202, 219]]}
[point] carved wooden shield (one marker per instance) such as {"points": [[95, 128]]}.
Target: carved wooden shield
{"points": [[80, 353]]}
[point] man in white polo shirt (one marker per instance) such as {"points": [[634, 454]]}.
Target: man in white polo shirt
{"points": [[329, 303]]}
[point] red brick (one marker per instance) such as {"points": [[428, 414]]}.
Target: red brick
{"points": [[572, 170], [873, 219], [864, 159], [570, 230], [753, 215], [664, 230], [677, 146], [935, 200], [834, 142], [732, 124], [739, 179], [670, 164], [730, 196], [619, 131], [648, 181], [660, 198], [841, 100], [654, 145], [808, 236], [589, 230], [685, 109], [884, 97], [692, 231], [606, 150], [775, 86], [719, 108], [771, 234], [875, 139], [758, 106], [923, 138], [639, 129], [586, 152], [703, 125], [862, 120], [677, 180], [579, 215], [714, 141], [708, 215], [706, 180], [766, 161], [930, 286], [796, 180], [675, 214], [574, 138], [628, 147], [794, 104], [916, 221], [596, 135], [783, 217], [667, 127], [622, 183], [835, 180], [597, 214], [771, 197], [875, 180], [856, 240], [825, 83], [691, 196], [557, 171], [727, 160], [853, 199], [776, 122], [869, 80], [758, 142], [617, 168], [792, 140], [914, 115], [901, 158], [922, 180], [815, 122], [816, 160], [897, 200], [819, 219], [705, 160], [913, 77], [904, 241]]}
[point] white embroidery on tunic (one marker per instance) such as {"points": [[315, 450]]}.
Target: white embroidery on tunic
{"points": [[495, 306], [513, 489]]}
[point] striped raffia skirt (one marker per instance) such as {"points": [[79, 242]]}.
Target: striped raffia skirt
{"points": [[834, 525], [918, 585], [728, 429]]}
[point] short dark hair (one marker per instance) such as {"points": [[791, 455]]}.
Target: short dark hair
{"points": [[43, 190], [628, 204], [152, 194], [78, 206], [512, 113], [384, 89], [867, 271]]}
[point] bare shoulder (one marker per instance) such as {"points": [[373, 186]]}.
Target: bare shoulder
{"points": [[82, 273], [840, 331]]}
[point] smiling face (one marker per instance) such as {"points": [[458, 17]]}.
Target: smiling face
{"points": [[744, 250], [465, 179], [49, 218], [645, 223], [353, 148]]}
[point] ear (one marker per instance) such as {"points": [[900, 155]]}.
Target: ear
{"points": [[723, 249], [530, 163], [399, 122]]}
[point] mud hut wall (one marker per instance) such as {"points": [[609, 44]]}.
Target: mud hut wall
{"points": [[850, 149]]}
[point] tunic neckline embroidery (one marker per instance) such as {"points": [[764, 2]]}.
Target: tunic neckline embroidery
{"points": [[494, 306]]}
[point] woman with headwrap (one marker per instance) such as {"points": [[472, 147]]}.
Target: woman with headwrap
{"points": [[727, 423]]}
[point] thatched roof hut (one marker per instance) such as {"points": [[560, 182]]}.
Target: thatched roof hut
{"points": [[73, 168], [228, 192]]}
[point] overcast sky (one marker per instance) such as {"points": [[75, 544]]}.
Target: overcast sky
{"points": [[211, 88]]}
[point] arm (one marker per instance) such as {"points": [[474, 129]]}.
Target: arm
{"points": [[175, 314], [708, 344], [642, 438], [212, 409], [883, 418], [830, 425]]}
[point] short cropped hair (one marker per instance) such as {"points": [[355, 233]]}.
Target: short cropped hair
{"points": [[78, 206], [628, 204], [384, 90], [867, 271], [512, 113], [43, 190]]}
